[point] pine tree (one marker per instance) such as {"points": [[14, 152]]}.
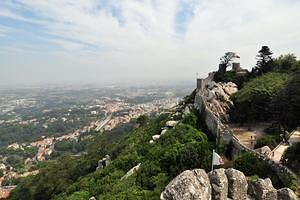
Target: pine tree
{"points": [[264, 61]]}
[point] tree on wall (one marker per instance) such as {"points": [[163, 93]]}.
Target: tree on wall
{"points": [[264, 61], [228, 57]]}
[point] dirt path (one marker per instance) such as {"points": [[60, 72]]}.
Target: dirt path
{"points": [[248, 133], [279, 150]]}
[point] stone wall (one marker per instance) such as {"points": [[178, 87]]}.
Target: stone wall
{"points": [[215, 126], [222, 184]]}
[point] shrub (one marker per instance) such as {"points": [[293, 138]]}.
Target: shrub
{"points": [[266, 140], [253, 101], [250, 165], [291, 155]]}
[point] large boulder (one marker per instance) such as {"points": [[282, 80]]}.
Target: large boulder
{"points": [[286, 194], [237, 184], [219, 183], [189, 185], [262, 189]]}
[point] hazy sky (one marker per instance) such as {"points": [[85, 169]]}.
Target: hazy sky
{"points": [[88, 41]]}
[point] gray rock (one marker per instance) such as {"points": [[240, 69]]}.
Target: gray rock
{"points": [[104, 162], [189, 185], [286, 194], [155, 137], [107, 160], [131, 171], [187, 110], [262, 189], [219, 183], [237, 184], [211, 85]]}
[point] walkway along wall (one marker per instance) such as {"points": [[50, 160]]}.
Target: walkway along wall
{"points": [[215, 126]]}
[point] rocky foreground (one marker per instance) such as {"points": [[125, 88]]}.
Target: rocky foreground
{"points": [[222, 184]]}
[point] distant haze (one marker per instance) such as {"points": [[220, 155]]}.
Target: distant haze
{"points": [[133, 41]]}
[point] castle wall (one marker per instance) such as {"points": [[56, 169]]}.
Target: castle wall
{"points": [[215, 126]]}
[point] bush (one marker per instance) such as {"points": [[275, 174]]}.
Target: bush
{"points": [[250, 165], [253, 101], [230, 76], [288, 103], [266, 140], [191, 119], [291, 157], [286, 63]]}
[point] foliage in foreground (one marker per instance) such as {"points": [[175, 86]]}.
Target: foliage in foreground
{"points": [[250, 165]]}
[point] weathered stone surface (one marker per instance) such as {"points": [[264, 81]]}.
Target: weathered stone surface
{"points": [[219, 183], [217, 96], [155, 137], [163, 132], [230, 88], [104, 162], [187, 110], [171, 123], [262, 189], [286, 194], [189, 185], [237, 184], [265, 150], [131, 171]]}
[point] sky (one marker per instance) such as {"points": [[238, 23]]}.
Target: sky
{"points": [[134, 41]]}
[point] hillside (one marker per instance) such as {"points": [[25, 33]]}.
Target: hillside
{"points": [[178, 149]]}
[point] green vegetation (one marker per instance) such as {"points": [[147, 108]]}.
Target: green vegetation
{"points": [[291, 157], [253, 101], [266, 140], [231, 76], [251, 165], [272, 94], [181, 148], [264, 61], [288, 103], [68, 146], [287, 63]]}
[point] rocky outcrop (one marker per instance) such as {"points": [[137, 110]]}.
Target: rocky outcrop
{"points": [[262, 189], [286, 194], [217, 97], [219, 183], [104, 162], [190, 184], [222, 184], [237, 184], [169, 125], [214, 122], [131, 171]]}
